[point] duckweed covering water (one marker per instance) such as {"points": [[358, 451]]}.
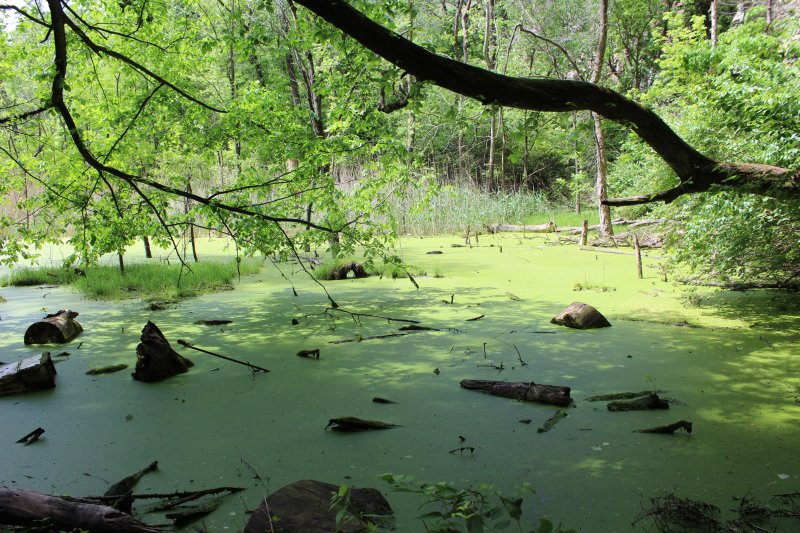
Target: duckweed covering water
{"points": [[731, 368]]}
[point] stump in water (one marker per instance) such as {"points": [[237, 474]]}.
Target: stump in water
{"points": [[342, 271], [54, 329], [30, 374], [156, 360], [305, 507], [581, 316], [524, 391]]}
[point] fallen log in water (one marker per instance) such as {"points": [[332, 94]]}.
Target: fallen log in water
{"points": [[651, 401], [552, 421], [620, 396], [669, 429], [110, 369], [351, 423], [523, 391], [31, 509], [547, 227], [57, 328], [121, 490]]}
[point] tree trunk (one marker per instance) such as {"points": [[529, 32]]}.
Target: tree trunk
{"points": [[148, 253], [601, 186], [714, 21]]}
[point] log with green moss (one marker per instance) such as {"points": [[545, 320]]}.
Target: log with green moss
{"points": [[523, 391]]}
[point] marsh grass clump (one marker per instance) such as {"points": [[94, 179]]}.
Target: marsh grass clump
{"points": [[30, 277], [590, 286], [145, 281]]}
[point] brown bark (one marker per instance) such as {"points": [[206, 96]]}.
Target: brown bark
{"points": [[578, 315], [28, 508], [156, 360], [30, 374], [523, 391], [696, 171], [58, 327]]}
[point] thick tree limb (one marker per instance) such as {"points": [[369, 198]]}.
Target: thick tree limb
{"points": [[696, 171]]}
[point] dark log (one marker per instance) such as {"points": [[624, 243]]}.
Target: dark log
{"points": [[342, 271], [620, 396], [378, 399], [523, 391], [30, 374], [33, 436], [351, 423], [651, 401], [156, 360], [121, 490], [213, 322], [311, 354], [39, 511], [57, 328], [669, 429], [581, 316], [552, 421], [305, 507], [187, 514], [110, 369]]}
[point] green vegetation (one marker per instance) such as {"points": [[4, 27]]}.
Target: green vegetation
{"points": [[145, 281]]}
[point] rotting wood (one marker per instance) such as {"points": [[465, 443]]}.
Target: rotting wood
{"points": [[414, 327], [351, 423], [638, 251], [305, 507], [523, 391], [584, 233], [251, 366], [30, 374], [156, 360], [343, 271], [621, 396], [121, 490], [462, 449], [191, 513], [651, 401], [33, 436], [110, 369], [56, 328], [552, 421], [31, 509], [179, 498], [311, 354], [473, 319], [213, 322], [669, 428]]}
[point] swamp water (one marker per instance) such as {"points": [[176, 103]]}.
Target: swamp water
{"points": [[735, 376]]}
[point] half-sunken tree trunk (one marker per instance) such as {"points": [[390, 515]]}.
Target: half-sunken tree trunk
{"points": [[156, 360]]}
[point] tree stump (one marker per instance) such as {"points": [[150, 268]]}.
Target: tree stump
{"points": [[342, 271], [57, 328], [156, 360], [30, 374], [581, 316], [305, 507]]}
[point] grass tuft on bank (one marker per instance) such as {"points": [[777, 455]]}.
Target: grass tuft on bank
{"points": [[145, 281]]}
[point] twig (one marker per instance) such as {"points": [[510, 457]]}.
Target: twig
{"points": [[231, 359]]}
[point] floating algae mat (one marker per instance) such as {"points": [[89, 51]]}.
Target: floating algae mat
{"points": [[727, 362]]}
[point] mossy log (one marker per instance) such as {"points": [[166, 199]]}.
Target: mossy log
{"points": [[42, 512], [581, 316], [156, 360], [351, 423], [56, 328], [651, 401], [305, 507], [30, 374], [342, 271], [523, 391], [552, 421]]}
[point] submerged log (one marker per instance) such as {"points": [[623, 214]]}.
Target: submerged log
{"points": [[122, 490], [110, 369], [581, 316], [56, 328], [351, 423], [156, 358], [669, 429], [33, 436], [305, 507], [30, 374], [311, 354], [190, 513], [552, 421], [620, 396], [43, 512], [524, 391], [651, 401]]}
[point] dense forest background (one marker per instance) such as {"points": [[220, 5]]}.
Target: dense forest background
{"points": [[260, 121]]}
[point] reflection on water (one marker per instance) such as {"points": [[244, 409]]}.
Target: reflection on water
{"points": [[738, 384]]}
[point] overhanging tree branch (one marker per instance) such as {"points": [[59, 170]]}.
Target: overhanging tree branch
{"points": [[696, 171]]}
